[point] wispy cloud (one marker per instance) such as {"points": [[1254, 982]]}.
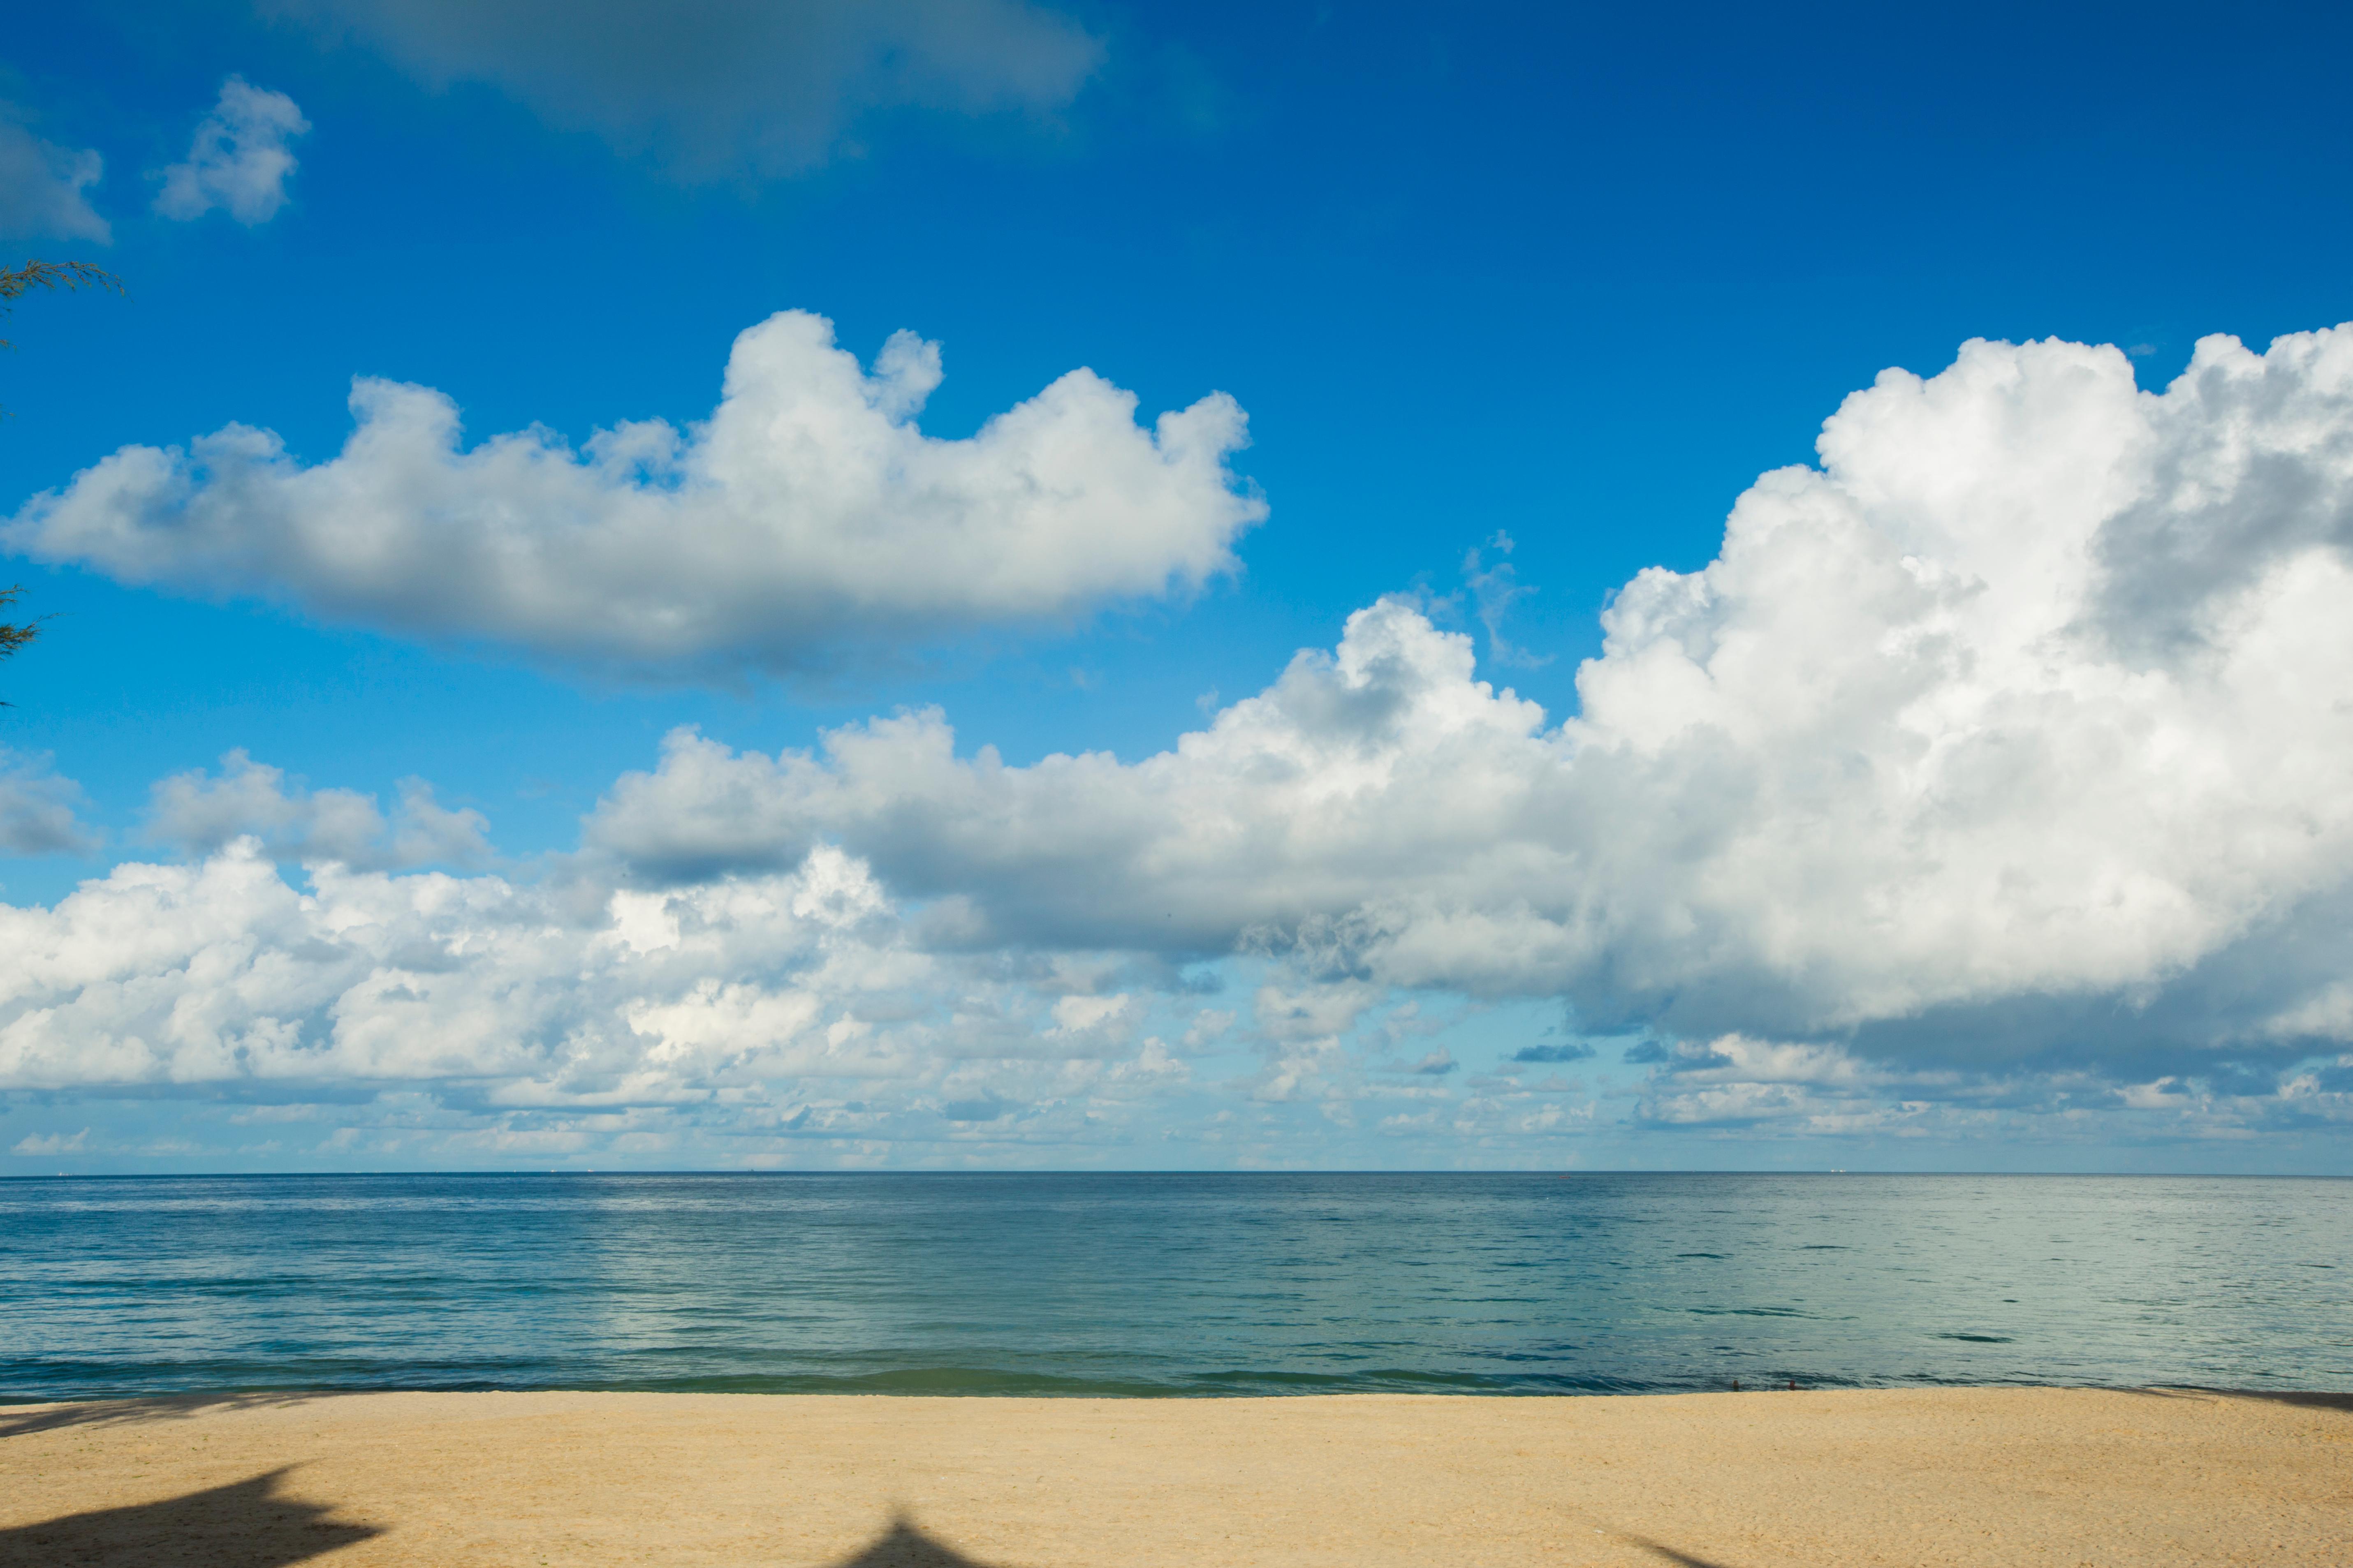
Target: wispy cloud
{"points": [[42, 186], [39, 808], [1495, 587], [240, 161], [712, 89]]}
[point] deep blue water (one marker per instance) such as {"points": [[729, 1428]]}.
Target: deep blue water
{"points": [[1169, 1284]]}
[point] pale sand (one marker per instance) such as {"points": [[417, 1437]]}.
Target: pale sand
{"points": [[1741, 1480]]}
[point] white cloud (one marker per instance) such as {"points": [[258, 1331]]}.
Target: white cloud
{"points": [[238, 162], [38, 1145], [1494, 589], [1990, 779], [809, 517], [38, 809], [202, 815], [1375, 768], [41, 186], [717, 88], [2031, 707], [774, 1009], [222, 970]]}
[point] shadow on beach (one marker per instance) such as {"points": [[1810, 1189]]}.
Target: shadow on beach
{"points": [[1683, 1559], [255, 1523], [905, 1546], [245, 1524], [252, 1524], [135, 1412], [2311, 1399]]}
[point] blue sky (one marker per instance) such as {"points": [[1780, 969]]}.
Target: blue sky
{"points": [[1553, 287]]}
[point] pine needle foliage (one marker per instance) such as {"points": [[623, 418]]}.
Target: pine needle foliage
{"points": [[15, 635], [18, 281], [15, 284]]}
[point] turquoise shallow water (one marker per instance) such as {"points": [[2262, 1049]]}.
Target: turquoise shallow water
{"points": [[1169, 1284]]}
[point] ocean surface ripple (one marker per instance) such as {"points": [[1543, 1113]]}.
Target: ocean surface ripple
{"points": [[1153, 1284]]}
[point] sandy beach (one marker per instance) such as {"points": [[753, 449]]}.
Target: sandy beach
{"points": [[1732, 1481]]}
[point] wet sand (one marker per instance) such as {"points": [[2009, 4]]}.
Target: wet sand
{"points": [[1715, 1480]]}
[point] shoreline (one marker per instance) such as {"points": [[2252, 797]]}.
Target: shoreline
{"points": [[1911, 1475], [1111, 1394]]}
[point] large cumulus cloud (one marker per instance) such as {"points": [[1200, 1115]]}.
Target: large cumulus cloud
{"points": [[2033, 701], [1990, 778], [806, 519]]}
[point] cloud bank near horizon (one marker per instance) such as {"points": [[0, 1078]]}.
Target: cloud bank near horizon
{"points": [[1991, 776], [808, 520]]}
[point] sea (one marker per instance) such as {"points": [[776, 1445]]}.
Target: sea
{"points": [[1171, 1284]]}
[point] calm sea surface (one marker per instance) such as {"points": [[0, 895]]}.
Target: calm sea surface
{"points": [[1162, 1284]]}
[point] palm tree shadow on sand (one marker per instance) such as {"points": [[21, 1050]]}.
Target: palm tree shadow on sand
{"points": [[905, 1546], [245, 1524], [252, 1523], [17, 1422]]}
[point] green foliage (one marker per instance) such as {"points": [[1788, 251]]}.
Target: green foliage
{"points": [[15, 635], [15, 281]]}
